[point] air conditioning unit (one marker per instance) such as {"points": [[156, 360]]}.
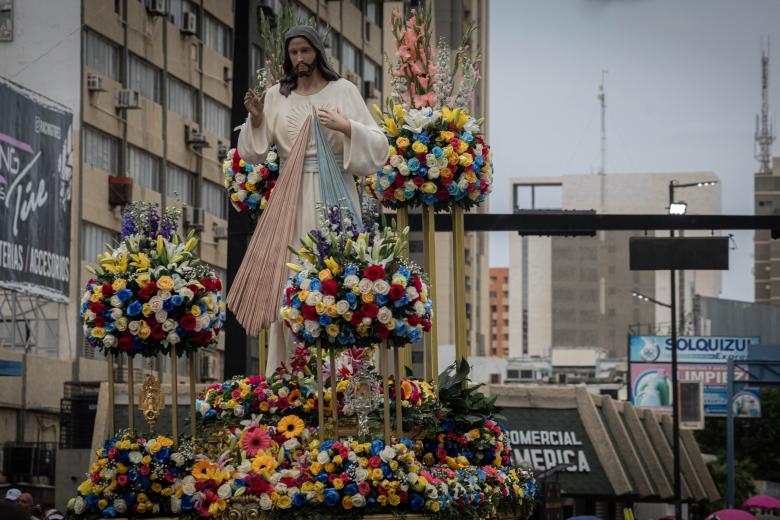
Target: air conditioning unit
{"points": [[95, 83], [222, 152], [193, 217], [195, 139], [190, 24], [370, 91], [120, 190], [220, 232], [156, 7], [209, 370], [127, 98]]}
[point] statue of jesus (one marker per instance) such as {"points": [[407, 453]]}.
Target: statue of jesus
{"points": [[281, 115]]}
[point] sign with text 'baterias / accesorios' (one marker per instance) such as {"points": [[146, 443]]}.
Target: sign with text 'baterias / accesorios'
{"points": [[700, 358], [35, 193]]}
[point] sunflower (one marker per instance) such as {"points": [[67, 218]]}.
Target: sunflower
{"points": [[264, 464], [202, 470], [290, 426], [255, 439]]}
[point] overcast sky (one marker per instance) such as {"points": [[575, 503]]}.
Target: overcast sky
{"points": [[683, 90]]}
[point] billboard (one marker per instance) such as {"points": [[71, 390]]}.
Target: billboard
{"points": [[699, 358], [35, 193]]}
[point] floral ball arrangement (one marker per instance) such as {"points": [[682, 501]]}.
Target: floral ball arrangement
{"points": [[151, 291], [249, 186], [438, 156], [352, 288], [135, 476]]}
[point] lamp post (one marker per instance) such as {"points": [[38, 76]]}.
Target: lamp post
{"points": [[677, 209]]}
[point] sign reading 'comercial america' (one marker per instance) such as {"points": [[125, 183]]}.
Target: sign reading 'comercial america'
{"points": [[546, 449], [35, 193]]}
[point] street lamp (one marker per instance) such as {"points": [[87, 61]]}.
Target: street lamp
{"points": [[644, 298], [673, 185]]}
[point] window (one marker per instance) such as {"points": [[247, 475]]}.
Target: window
{"points": [[374, 11], [180, 184], [493, 308], [181, 98], [143, 167], [372, 72], [177, 8], [96, 239], [493, 294], [102, 56], [512, 374], [495, 379], [214, 199], [538, 196], [216, 118], [218, 36], [526, 374], [350, 57], [101, 150], [257, 62], [145, 78]]}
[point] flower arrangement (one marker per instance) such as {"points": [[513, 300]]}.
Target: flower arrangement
{"points": [[151, 291], [249, 186], [437, 153], [352, 288], [134, 476]]}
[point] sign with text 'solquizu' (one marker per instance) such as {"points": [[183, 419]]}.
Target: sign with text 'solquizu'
{"points": [[35, 193], [700, 358]]}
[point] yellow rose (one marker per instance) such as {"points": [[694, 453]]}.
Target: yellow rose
{"points": [[303, 295], [367, 298], [98, 332], [434, 505], [465, 160], [325, 274], [382, 499], [248, 186], [445, 135], [146, 309], [156, 487], [121, 323], [330, 467], [428, 187], [402, 143], [95, 298], [145, 330], [453, 159], [284, 502], [347, 502], [419, 147], [445, 173], [119, 284], [394, 500], [102, 503], [165, 283], [332, 330], [195, 311], [332, 265], [462, 146], [142, 279], [320, 308], [338, 483], [392, 151]]}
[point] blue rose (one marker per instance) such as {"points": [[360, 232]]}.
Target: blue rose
{"points": [[326, 445], [370, 501], [453, 189], [299, 500], [350, 489], [466, 136], [422, 137], [322, 477], [416, 501], [162, 454], [124, 295], [429, 198], [377, 446], [414, 335], [331, 497], [437, 152], [413, 164], [351, 269], [390, 177], [325, 320], [423, 171], [167, 305], [380, 299], [133, 475], [273, 166], [351, 299], [315, 285], [177, 300]]}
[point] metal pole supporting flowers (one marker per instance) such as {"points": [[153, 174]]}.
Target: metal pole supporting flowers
{"points": [[175, 395], [402, 222], [191, 355], [459, 283], [383, 362], [262, 352], [334, 400], [130, 393], [320, 395], [399, 424], [110, 367], [431, 339]]}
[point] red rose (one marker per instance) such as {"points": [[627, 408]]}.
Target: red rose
{"points": [[97, 307], [370, 310], [426, 325], [417, 283], [107, 290], [98, 321], [187, 322], [357, 317], [207, 283], [389, 193], [442, 194], [309, 313], [125, 343], [374, 272], [399, 180], [381, 331], [330, 287], [418, 181], [413, 320], [445, 181], [157, 332], [264, 172], [396, 292]]}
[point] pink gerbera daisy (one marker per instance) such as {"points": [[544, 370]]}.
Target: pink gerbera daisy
{"points": [[255, 439]]}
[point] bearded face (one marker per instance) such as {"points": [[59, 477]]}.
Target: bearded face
{"points": [[303, 57]]}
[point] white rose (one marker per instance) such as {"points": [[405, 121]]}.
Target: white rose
{"points": [[291, 444], [240, 178], [245, 466], [403, 170], [311, 326], [156, 303], [358, 500], [342, 306], [169, 325], [384, 315], [411, 478], [351, 281], [164, 295], [224, 491], [175, 504], [271, 157], [381, 287], [323, 457], [463, 184], [384, 183], [238, 411], [411, 293], [314, 298], [361, 474], [109, 474], [188, 488], [305, 284], [430, 159], [352, 457], [115, 301], [116, 314], [79, 505], [186, 292], [396, 160], [203, 321], [365, 286], [253, 177], [135, 457], [204, 407], [443, 162], [296, 327], [329, 300], [178, 458], [120, 505], [434, 172], [387, 454], [173, 338], [275, 478], [134, 327], [419, 308], [367, 322], [161, 316], [284, 391], [409, 185], [109, 340]]}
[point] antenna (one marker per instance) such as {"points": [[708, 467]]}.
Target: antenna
{"points": [[765, 131], [603, 100]]}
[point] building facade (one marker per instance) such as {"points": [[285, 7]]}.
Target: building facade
{"points": [[767, 251], [577, 291], [498, 342]]}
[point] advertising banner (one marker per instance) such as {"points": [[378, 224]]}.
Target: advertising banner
{"points": [[35, 193], [699, 359]]}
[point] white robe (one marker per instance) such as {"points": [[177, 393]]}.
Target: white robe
{"points": [[362, 154]]}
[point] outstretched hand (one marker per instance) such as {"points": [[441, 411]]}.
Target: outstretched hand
{"points": [[332, 119], [254, 105]]}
